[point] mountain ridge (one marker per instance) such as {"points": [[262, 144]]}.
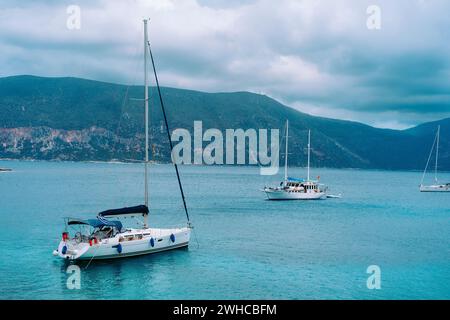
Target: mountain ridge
{"points": [[69, 118]]}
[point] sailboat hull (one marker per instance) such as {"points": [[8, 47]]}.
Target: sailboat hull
{"points": [[152, 241], [435, 188], [134, 253]]}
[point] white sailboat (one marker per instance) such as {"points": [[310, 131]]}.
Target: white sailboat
{"points": [[437, 186], [294, 188], [103, 238]]}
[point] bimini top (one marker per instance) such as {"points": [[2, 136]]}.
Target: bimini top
{"points": [[296, 180], [96, 223], [124, 211]]}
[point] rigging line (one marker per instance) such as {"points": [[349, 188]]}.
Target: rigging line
{"points": [[120, 121], [437, 154], [168, 131], [283, 141], [429, 158], [125, 98]]}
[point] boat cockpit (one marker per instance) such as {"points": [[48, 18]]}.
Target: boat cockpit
{"points": [[92, 229]]}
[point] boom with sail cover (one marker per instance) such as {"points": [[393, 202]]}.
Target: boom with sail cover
{"points": [[141, 209]]}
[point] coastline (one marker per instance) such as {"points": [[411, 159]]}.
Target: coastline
{"points": [[204, 165]]}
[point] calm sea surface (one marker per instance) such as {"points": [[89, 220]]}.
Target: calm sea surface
{"points": [[248, 248]]}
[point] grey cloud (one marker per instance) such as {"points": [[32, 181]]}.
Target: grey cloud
{"points": [[317, 56]]}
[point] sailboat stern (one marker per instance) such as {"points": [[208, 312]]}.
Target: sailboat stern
{"points": [[68, 250]]}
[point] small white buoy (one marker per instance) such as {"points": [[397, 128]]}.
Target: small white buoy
{"points": [[55, 252]]}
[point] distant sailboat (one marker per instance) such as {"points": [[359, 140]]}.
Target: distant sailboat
{"points": [[293, 188], [437, 187]]}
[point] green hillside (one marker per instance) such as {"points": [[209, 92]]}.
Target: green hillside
{"points": [[78, 119]]}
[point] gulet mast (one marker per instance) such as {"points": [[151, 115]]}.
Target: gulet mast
{"points": [[309, 150], [286, 154]]}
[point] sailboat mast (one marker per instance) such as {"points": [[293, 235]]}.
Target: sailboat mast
{"points": [[286, 154], [146, 117], [309, 150], [437, 154]]}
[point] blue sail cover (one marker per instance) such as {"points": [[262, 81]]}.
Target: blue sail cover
{"points": [[122, 211], [296, 179], [96, 223]]}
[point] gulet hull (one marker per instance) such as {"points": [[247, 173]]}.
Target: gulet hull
{"points": [[285, 195]]}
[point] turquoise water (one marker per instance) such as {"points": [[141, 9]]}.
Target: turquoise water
{"points": [[248, 248]]}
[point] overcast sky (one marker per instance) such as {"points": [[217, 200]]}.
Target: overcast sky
{"points": [[317, 56]]}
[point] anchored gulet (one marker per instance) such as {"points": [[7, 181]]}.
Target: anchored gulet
{"points": [[294, 188], [104, 238], [437, 187]]}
